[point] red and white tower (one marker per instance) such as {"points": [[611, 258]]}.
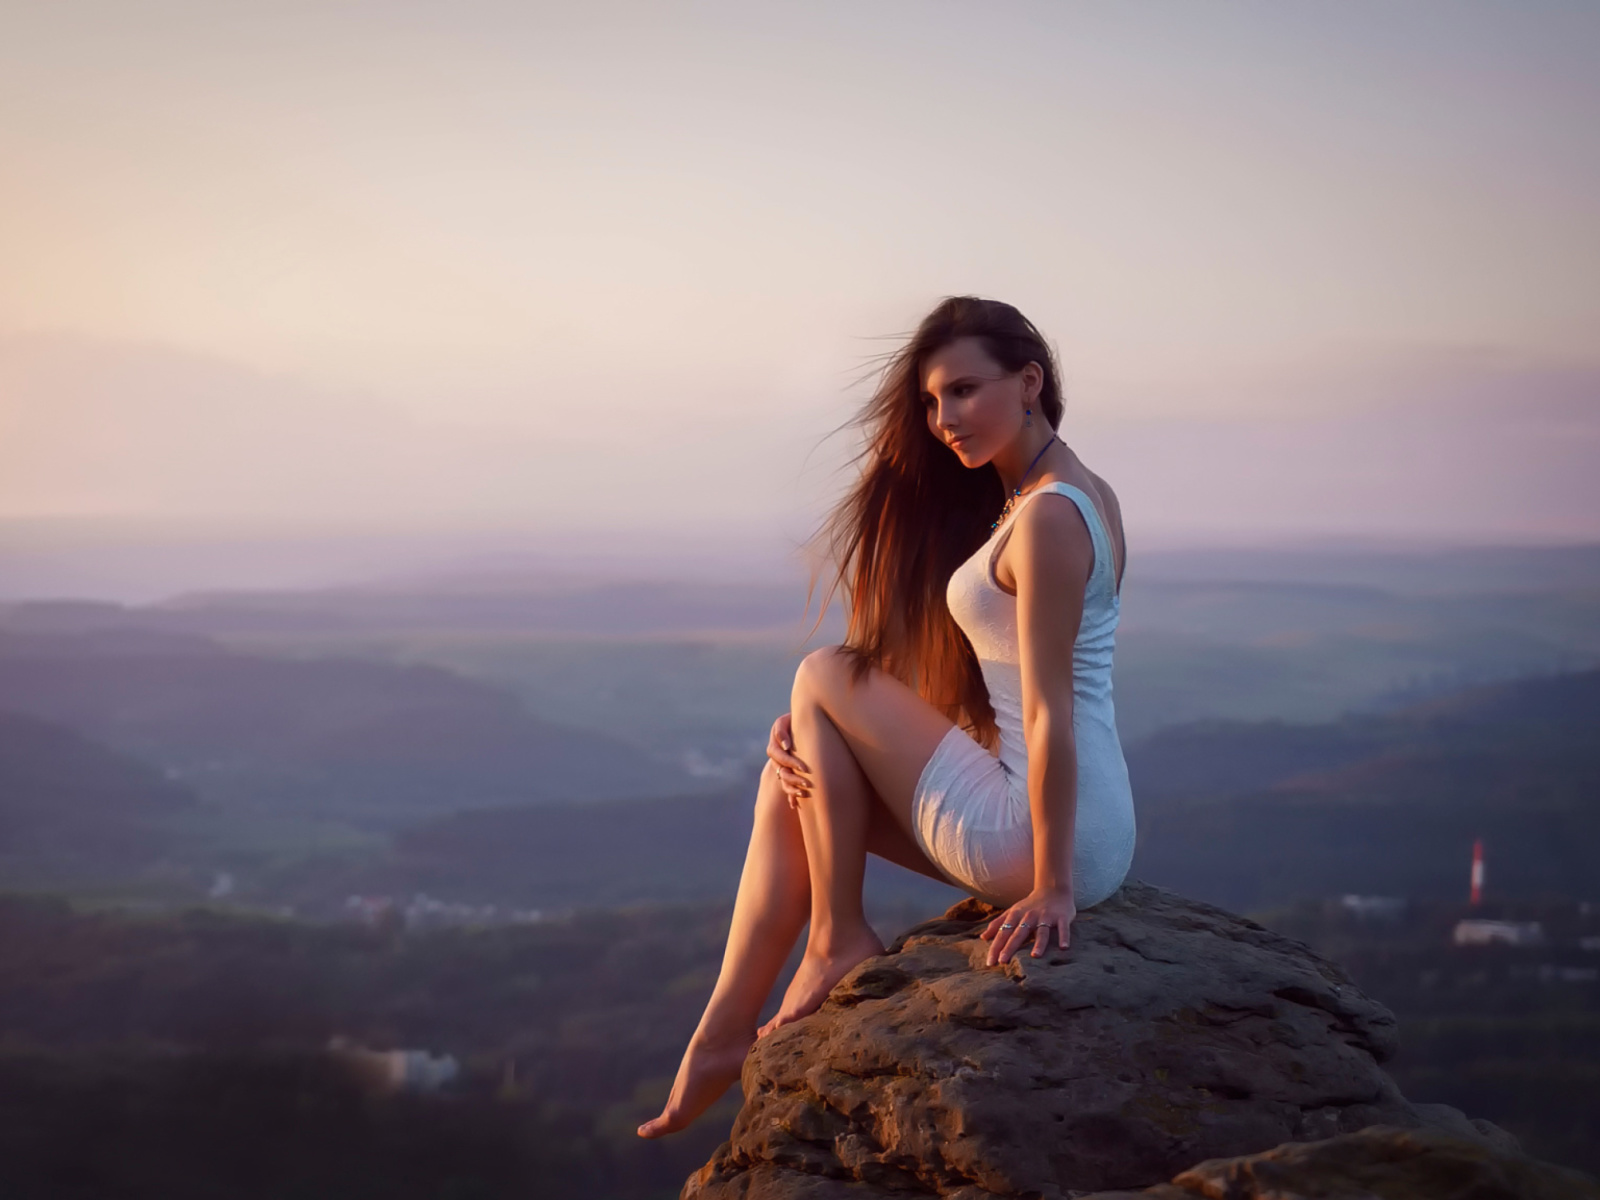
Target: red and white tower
{"points": [[1477, 871]]}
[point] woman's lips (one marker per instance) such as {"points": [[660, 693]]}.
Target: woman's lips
{"points": [[956, 441]]}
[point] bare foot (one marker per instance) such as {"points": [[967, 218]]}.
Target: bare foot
{"points": [[708, 1067], [817, 974]]}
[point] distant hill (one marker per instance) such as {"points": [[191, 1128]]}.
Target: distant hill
{"points": [[365, 741], [555, 856], [469, 788], [514, 604], [679, 848], [694, 669], [1248, 814], [71, 807]]}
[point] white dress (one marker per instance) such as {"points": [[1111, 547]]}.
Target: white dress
{"points": [[970, 812]]}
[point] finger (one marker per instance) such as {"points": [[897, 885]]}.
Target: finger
{"points": [[1001, 936], [1041, 940], [1013, 940], [1019, 935], [794, 762], [785, 758], [997, 952]]}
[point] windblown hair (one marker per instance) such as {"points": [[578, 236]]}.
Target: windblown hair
{"points": [[916, 514]]}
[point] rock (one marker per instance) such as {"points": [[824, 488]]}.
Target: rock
{"points": [[1379, 1163], [1453, 1121], [1167, 1033]]}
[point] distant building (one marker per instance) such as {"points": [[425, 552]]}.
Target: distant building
{"points": [[1374, 908], [1511, 933], [425, 911], [395, 1070]]}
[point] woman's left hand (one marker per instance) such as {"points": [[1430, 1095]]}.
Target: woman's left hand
{"points": [[1034, 916]]}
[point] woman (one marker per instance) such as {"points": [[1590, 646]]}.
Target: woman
{"points": [[965, 728]]}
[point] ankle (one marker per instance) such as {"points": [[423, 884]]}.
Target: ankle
{"points": [[720, 1035], [839, 938]]}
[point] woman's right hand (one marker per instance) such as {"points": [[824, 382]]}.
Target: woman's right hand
{"points": [[793, 773]]}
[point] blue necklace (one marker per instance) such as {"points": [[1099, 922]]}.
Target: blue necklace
{"points": [[1017, 491]]}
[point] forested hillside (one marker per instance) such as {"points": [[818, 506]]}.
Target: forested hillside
{"points": [[371, 743], [1255, 814], [1246, 814], [72, 809]]}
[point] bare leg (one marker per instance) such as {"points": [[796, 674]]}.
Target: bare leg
{"points": [[836, 819], [768, 912], [850, 733]]}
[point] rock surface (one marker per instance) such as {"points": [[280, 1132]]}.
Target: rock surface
{"points": [[1167, 1033], [1379, 1163]]}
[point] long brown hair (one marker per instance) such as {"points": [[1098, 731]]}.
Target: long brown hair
{"points": [[916, 514]]}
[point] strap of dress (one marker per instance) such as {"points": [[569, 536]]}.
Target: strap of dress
{"points": [[1099, 535]]}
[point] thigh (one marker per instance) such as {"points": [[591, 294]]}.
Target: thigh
{"points": [[890, 842], [891, 730]]}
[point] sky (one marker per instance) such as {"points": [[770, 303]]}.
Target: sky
{"points": [[622, 269]]}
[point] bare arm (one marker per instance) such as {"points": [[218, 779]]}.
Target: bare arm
{"points": [[1053, 560], [1053, 556]]}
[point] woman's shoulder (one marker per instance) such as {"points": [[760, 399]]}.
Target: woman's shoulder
{"points": [[1065, 527], [1098, 492], [1050, 530]]}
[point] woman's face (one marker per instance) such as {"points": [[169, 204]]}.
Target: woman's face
{"points": [[973, 405]]}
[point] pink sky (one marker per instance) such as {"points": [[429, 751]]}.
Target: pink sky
{"points": [[1310, 270]]}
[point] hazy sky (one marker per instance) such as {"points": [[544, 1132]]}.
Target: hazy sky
{"points": [[1319, 268]]}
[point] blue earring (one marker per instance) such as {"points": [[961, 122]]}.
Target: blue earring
{"points": [[1028, 412]]}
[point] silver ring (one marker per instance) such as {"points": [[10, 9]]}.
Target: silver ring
{"points": [[1005, 926]]}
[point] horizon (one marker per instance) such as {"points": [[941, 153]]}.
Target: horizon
{"points": [[138, 564]]}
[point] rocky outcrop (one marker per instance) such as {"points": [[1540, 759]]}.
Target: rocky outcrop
{"points": [[1169, 1032], [1380, 1163]]}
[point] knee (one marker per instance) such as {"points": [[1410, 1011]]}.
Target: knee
{"points": [[821, 674], [769, 779], [770, 786], [770, 794]]}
